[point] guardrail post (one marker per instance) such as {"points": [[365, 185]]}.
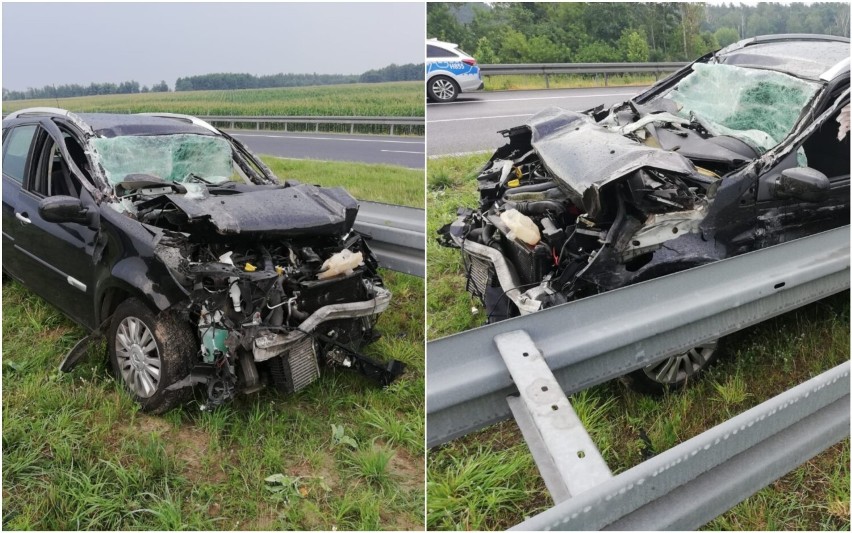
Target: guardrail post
{"points": [[352, 128], [566, 456], [317, 128], [606, 79], [257, 126], [546, 81], [391, 130]]}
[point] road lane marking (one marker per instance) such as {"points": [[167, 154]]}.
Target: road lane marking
{"points": [[498, 100], [460, 154], [413, 169], [323, 138], [402, 152], [480, 118]]}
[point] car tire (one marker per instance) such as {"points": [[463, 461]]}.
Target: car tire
{"points": [[442, 89], [149, 352], [675, 372]]}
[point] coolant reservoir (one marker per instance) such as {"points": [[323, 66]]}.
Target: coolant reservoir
{"points": [[521, 227], [340, 263]]}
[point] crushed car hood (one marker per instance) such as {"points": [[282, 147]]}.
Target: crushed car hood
{"points": [[586, 156], [292, 211]]}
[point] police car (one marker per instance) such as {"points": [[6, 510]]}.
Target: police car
{"points": [[449, 71]]}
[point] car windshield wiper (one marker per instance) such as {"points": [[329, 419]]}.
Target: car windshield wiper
{"points": [[215, 185], [196, 177]]}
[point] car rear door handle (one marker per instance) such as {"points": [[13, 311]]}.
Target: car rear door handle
{"points": [[23, 218]]}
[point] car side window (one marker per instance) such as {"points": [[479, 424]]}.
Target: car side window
{"points": [[15, 150], [437, 51], [827, 148], [52, 176]]}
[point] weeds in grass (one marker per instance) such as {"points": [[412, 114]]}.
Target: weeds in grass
{"points": [[372, 465], [339, 437], [477, 489], [732, 392], [391, 427]]}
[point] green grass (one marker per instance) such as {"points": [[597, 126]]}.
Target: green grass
{"points": [[341, 454], [487, 480], [450, 184], [396, 99], [370, 182], [563, 81], [77, 454]]}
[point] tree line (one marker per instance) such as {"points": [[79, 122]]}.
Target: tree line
{"points": [[223, 81], [93, 89], [393, 72], [528, 32]]}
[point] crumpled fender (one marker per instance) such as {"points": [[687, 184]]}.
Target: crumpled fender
{"points": [[129, 263]]}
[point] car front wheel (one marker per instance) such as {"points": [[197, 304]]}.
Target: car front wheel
{"points": [[442, 89], [149, 352], [675, 372]]}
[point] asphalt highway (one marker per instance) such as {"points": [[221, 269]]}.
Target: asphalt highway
{"points": [[471, 123], [403, 151]]}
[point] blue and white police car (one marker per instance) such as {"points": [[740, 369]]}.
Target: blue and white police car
{"points": [[449, 71]]}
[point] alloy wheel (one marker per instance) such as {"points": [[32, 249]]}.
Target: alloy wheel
{"points": [[443, 89], [138, 357], [683, 366]]}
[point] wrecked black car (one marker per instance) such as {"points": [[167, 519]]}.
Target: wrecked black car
{"points": [[199, 266], [745, 148]]}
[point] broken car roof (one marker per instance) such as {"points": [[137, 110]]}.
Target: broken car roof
{"points": [[117, 125], [807, 60]]}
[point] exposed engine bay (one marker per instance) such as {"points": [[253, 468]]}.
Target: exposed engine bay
{"points": [[537, 235], [278, 285]]}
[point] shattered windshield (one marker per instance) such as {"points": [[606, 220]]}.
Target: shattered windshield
{"points": [[172, 158], [759, 107]]}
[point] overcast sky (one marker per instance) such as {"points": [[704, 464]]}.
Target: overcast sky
{"points": [[46, 43]]}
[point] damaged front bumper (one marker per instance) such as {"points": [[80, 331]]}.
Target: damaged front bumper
{"points": [[269, 345], [484, 264]]}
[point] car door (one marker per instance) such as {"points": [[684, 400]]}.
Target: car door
{"points": [[57, 257], [826, 149], [17, 147]]}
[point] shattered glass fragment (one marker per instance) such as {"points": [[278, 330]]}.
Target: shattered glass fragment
{"points": [[759, 107], [172, 158]]}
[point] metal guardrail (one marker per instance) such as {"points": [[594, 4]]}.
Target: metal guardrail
{"points": [[392, 122], [546, 69], [602, 337], [686, 486], [232, 120], [397, 235], [597, 339]]}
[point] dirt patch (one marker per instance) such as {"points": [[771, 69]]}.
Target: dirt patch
{"points": [[407, 469], [191, 446], [153, 424], [266, 521], [54, 334], [188, 446], [325, 470]]}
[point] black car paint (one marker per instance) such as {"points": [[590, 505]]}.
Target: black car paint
{"points": [[89, 267], [42, 255]]}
